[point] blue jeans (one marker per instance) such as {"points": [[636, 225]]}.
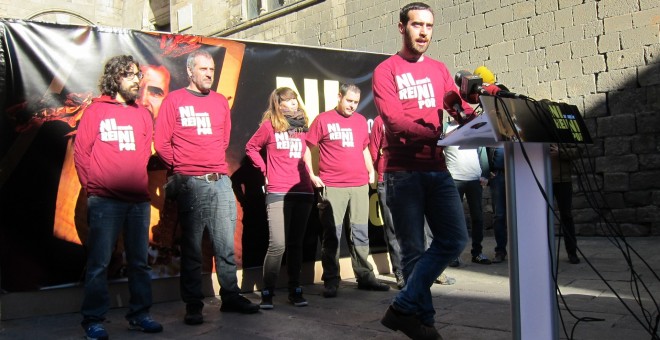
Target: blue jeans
{"points": [[209, 205], [412, 196], [388, 229], [498, 198], [473, 193], [106, 218]]}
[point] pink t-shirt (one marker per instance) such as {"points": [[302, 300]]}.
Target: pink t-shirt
{"points": [[192, 132], [341, 141], [112, 148], [284, 167], [408, 96]]}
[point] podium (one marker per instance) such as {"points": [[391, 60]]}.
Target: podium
{"points": [[525, 129]]}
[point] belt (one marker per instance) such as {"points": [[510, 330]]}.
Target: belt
{"points": [[212, 177]]}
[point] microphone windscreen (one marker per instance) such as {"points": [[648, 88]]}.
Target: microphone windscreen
{"points": [[491, 89], [450, 99], [485, 74], [458, 77]]}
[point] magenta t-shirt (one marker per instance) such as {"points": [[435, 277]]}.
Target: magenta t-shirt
{"points": [[284, 167], [376, 145], [192, 132], [341, 141]]}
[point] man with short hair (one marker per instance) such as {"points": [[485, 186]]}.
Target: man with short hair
{"points": [[345, 171], [408, 91], [112, 147], [192, 136]]}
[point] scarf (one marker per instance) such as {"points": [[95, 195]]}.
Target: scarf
{"points": [[296, 120]]}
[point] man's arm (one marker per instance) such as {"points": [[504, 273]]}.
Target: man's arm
{"points": [[84, 143], [307, 158], [370, 165], [163, 132]]}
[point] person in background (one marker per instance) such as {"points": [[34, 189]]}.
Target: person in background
{"points": [[111, 151], [408, 90], [345, 170], [191, 137], [289, 191], [154, 87], [497, 184], [469, 169], [562, 187]]}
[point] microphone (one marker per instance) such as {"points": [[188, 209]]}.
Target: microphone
{"points": [[468, 84], [451, 102], [494, 88]]}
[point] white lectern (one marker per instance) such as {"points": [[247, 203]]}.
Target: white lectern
{"points": [[526, 128]]}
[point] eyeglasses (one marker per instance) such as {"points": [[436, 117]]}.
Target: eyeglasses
{"points": [[131, 75]]}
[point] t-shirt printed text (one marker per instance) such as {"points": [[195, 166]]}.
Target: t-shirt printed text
{"points": [[111, 132], [294, 145], [200, 120], [420, 89], [345, 135]]}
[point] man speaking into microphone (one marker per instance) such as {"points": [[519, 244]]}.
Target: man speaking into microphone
{"points": [[408, 90]]}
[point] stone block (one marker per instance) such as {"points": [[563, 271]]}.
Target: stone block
{"points": [[648, 17], [646, 35], [542, 23], [512, 78], [593, 64], [649, 213], [526, 44], [458, 28], [614, 200], [501, 49], [475, 23], [647, 4], [585, 47], [478, 55], [559, 52], [638, 198], [558, 89], [616, 181], [548, 73], [517, 61], [643, 144], [617, 146], [645, 180], [523, 10], [581, 85], [545, 39], [630, 101], [515, 29], [530, 76], [465, 10], [536, 58], [621, 125], [587, 215], [570, 68], [593, 29], [611, 8], [485, 6], [613, 80], [617, 24], [569, 3], [544, 6], [499, 16], [652, 53], [648, 123], [585, 13], [624, 215], [450, 14], [573, 33], [467, 42], [595, 105], [564, 18], [497, 64], [649, 75], [489, 36], [627, 58], [655, 197]]}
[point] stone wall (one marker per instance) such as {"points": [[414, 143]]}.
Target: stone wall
{"points": [[603, 56]]}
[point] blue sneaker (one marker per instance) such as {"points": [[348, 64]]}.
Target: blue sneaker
{"points": [[146, 324], [96, 331]]}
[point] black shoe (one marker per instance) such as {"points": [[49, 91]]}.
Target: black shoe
{"points": [[329, 291], [455, 263], [573, 259], [193, 315], [296, 297], [481, 259], [409, 325], [373, 285], [266, 299], [499, 257], [239, 304], [400, 281]]}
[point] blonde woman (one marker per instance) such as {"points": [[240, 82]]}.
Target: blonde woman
{"points": [[289, 192]]}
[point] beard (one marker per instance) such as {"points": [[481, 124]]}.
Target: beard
{"points": [[129, 93], [412, 46]]}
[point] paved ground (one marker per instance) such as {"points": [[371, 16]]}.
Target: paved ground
{"points": [[476, 307]]}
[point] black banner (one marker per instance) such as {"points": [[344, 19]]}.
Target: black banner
{"points": [[51, 74]]}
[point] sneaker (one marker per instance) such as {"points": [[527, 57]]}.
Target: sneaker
{"points": [[455, 262], [146, 324], [193, 315], [329, 291], [266, 299], [373, 285], [296, 297], [481, 259], [409, 325], [96, 331], [239, 304], [445, 280], [400, 281], [499, 257], [573, 259]]}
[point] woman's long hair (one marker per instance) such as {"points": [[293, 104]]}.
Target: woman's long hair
{"points": [[275, 114]]}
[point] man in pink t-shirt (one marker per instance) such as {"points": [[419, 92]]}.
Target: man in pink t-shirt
{"points": [[345, 171]]}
